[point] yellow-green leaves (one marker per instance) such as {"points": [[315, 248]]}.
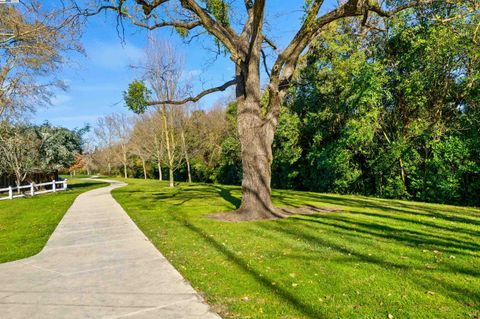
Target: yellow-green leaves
{"points": [[137, 96]]}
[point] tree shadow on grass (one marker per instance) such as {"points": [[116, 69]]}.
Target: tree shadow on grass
{"points": [[378, 204], [226, 194], [425, 280], [261, 278], [407, 236], [424, 223], [194, 193], [410, 238]]}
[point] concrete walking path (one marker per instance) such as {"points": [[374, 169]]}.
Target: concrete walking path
{"points": [[97, 264]]}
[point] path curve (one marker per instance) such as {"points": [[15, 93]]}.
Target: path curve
{"points": [[97, 264]]}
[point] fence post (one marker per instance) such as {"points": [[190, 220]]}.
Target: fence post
{"points": [[54, 186], [10, 192], [65, 184], [32, 189]]}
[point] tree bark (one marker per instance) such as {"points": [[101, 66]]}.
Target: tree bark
{"points": [[170, 144], [170, 177], [256, 138], [159, 164], [187, 159], [125, 173], [18, 182], [144, 169], [158, 148], [256, 129]]}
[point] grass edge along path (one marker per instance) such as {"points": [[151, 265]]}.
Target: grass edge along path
{"points": [[376, 257], [26, 224]]}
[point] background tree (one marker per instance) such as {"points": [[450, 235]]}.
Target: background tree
{"points": [[58, 146], [385, 115], [140, 142], [33, 41], [104, 134], [163, 72], [122, 126], [19, 147], [28, 149]]}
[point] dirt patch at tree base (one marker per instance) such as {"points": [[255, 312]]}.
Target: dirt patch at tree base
{"points": [[241, 215]]}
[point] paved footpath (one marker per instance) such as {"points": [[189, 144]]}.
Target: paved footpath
{"points": [[97, 264]]}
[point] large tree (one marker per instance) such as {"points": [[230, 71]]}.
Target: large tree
{"points": [[245, 44]]}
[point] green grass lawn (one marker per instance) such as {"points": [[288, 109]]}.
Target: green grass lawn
{"points": [[375, 258], [27, 223]]}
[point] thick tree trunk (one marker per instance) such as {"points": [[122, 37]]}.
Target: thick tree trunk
{"points": [[256, 138]]}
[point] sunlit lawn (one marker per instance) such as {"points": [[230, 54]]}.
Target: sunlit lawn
{"points": [[374, 258], [27, 223]]}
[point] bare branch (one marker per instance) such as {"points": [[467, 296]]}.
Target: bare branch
{"points": [[176, 24], [198, 96], [270, 43], [264, 58]]}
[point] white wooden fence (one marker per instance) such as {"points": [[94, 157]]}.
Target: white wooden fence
{"points": [[33, 189]]}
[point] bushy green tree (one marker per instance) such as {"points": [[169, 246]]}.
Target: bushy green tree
{"points": [[395, 116]]}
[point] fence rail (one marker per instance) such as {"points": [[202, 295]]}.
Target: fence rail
{"points": [[34, 189]]}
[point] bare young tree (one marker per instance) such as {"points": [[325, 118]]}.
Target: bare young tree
{"points": [[33, 41], [19, 147], [105, 135], [163, 72], [122, 130], [154, 125], [246, 44], [141, 142]]}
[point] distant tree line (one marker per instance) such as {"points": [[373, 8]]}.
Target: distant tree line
{"points": [[173, 144]]}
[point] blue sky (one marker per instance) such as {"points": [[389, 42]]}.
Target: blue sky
{"points": [[97, 80]]}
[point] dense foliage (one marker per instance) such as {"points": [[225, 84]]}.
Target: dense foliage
{"points": [[395, 116]]}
